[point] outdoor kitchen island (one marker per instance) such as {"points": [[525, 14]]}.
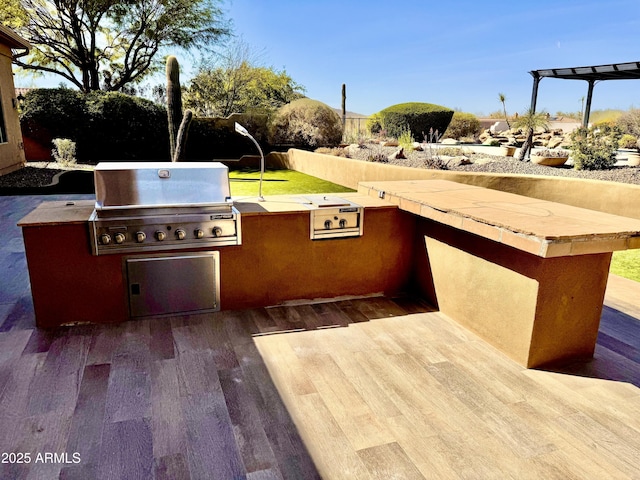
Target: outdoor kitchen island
{"points": [[527, 275], [276, 261]]}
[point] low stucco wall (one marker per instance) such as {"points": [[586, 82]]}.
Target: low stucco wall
{"points": [[609, 197]]}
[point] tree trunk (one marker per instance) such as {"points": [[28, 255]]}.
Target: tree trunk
{"points": [[526, 146]]}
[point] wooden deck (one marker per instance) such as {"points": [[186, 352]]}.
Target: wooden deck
{"points": [[374, 388]]}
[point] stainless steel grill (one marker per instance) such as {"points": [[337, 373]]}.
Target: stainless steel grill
{"points": [[162, 206]]}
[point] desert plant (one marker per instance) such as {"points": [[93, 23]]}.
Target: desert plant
{"points": [[503, 99], [462, 125], [629, 123], [405, 140], [374, 123], [530, 121], [451, 151], [180, 153], [174, 102], [64, 151], [627, 141], [551, 153], [306, 123], [335, 151], [418, 117], [594, 148]]}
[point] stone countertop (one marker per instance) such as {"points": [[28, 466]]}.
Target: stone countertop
{"points": [[540, 227], [79, 211]]}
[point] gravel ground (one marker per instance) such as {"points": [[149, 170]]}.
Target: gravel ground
{"points": [[499, 164], [29, 177]]}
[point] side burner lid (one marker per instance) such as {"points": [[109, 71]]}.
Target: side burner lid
{"points": [[326, 201]]}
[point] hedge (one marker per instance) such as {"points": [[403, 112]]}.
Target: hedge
{"points": [[104, 125], [422, 119]]}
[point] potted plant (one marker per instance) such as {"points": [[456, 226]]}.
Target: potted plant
{"points": [[550, 157], [509, 149]]}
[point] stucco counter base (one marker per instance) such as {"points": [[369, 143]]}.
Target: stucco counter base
{"points": [[526, 275], [276, 263]]}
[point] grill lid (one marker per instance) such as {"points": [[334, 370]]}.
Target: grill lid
{"points": [[128, 185]]}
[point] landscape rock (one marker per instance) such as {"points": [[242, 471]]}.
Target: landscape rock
{"points": [[397, 154], [449, 141], [458, 161], [390, 143]]}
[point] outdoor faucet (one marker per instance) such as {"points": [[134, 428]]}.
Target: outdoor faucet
{"points": [[243, 131]]}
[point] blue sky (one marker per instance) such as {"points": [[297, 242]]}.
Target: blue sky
{"points": [[460, 54]]}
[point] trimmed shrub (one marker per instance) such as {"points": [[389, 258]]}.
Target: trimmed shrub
{"points": [[462, 125], [123, 127], [420, 118], [594, 148], [49, 113], [215, 138], [306, 123], [104, 125]]}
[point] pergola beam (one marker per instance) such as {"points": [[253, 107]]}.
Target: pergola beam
{"points": [[592, 74]]}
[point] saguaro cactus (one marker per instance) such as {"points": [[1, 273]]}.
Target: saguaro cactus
{"points": [[174, 101], [181, 140]]}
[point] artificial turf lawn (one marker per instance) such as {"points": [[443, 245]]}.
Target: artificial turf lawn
{"points": [[279, 182], [626, 264]]}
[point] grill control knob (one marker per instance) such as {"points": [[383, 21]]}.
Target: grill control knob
{"points": [[328, 224], [180, 234], [216, 231], [105, 239], [160, 235], [119, 238], [198, 233], [343, 223], [140, 236]]}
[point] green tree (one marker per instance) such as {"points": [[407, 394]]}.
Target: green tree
{"points": [[530, 121], [12, 14], [109, 44], [238, 85]]}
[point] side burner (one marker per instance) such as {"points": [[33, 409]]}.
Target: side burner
{"points": [[333, 217]]}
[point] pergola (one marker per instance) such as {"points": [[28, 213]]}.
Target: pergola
{"points": [[614, 71]]}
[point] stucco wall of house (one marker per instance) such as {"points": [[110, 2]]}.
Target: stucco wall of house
{"points": [[12, 151]]}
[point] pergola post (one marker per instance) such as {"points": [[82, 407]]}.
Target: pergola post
{"points": [[534, 93], [587, 108]]}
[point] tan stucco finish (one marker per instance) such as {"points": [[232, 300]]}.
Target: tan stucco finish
{"points": [[537, 311], [467, 288], [609, 197], [12, 151]]}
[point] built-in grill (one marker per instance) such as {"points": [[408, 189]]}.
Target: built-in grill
{"points": [[162, 206]]}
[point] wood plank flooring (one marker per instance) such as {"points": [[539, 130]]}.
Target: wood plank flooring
{"points": [[374, 388]]}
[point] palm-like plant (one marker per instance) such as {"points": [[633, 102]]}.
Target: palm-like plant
{"points": [[530, 121], [503, 98]]}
